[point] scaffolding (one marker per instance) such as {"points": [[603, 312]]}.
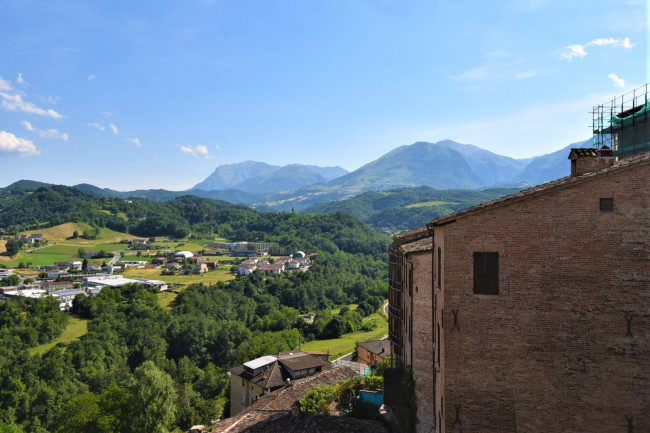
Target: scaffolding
{"points": [[622, 124]]}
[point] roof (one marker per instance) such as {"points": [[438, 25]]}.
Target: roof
{"points": [[416, 240], [378, 347], [631, 162], [580, 152], [282, 399], [271, 412], [260, 362], [275, 372], [284, 422], [301, 361]]}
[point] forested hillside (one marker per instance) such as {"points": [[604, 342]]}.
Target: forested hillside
{"points": [[49, 206], [142, 367], [406, 208]]}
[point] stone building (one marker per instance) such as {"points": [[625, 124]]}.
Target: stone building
{"points": [[530, 312]]}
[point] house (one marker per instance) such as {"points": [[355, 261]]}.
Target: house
{"points": [[5, 273], [247, 267], [372, 352], [261, 376], [53, 273], [529, 312], [66, 296], [139, 244], [173, 265], [90, 254], [94, 267], [159, 260], [76, 265], [199, 268], [212, 264], [273, 268], [56, 285], [277, 411]]}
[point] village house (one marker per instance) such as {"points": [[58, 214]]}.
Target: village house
{"points": [[371, 353], [278, 411], [247, 267], [273, 268], [199, 268], [261, 376]]}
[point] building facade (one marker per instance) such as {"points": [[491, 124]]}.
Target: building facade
{"points": [[532, 312]]}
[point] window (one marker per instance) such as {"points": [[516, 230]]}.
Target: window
{"points": [[439, 266], [486, 273], [607, 205]]}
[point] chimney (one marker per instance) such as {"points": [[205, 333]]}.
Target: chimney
{"points": [[587, 160]]}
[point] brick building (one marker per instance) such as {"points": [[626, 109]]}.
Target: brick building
{"points": [[530, 312]]}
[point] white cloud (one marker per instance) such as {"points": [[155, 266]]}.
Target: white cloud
{"points": [[579, 50], [20, 79], [28, 126], [45, 133], [574, 51], [91, 77], [136, 141], [525, 75], [618, 82], [114, 129], [106, 114], [5, 85], [96, 125], [198, 150], [9, 143], [216, 146], [16, 103], [497, 66]]}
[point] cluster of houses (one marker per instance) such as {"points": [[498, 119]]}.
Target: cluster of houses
{"points": [[242, 249], [30, 239], [297, 261], [81, 284]]}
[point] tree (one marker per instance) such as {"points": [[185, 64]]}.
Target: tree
{"points": [[13, 246], [84, 264], [75, 234], [81, 252], [153, 400]]}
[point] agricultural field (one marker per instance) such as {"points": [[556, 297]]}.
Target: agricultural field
{"points": [[208, 278], [76, 329], [338, 347]]}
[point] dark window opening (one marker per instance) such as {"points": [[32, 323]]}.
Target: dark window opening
{"points": [[607, 205], [486, 273], [439, 266]]}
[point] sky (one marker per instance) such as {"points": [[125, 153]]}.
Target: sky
{"points": [[142, 94]]}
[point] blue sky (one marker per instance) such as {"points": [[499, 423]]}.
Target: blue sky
{"points": [[130, 95]]}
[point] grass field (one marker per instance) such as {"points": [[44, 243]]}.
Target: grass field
{"points": [[341, 346], [211, 277], [62, 235], [76, 329], [429, 204], [165, 299]]}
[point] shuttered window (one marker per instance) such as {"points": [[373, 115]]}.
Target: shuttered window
{"points": [[486, 273]]}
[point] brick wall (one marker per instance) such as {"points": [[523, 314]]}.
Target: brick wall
{"points": [[550, 353]]}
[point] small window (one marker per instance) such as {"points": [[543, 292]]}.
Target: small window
{"points": [[486, 273], [607, 205], [242, 382], [439, 267]]}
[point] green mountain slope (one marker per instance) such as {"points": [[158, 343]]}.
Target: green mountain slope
{"points": [[406, 208]]}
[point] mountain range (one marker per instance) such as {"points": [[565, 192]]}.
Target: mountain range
{"points": [[443, 165], [259, 177]]}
